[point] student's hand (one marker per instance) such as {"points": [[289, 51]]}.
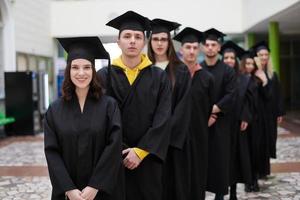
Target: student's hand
{"points": [[74, 195], [244, 125], [131, 161], [89, 193], [258, 62], [262, 76], [279, 119], [215, 109], [212, 119]]}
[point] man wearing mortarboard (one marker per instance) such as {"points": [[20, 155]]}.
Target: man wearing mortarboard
{"points": [[143, 92], [201, 101], [219, 131]]}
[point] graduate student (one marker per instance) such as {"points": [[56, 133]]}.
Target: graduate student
{"points": [[83, 137], [201, 94], [230, 53], [276, 107], [219, 132], [143, 93], [240, 167], [258, 128], [162, 53]]}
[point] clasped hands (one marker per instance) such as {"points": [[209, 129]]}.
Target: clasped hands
{"points": [[88, 193]]}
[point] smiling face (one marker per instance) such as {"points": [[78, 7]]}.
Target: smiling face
{"points": [[81, 73], [229, 58], [131, 42], [249, 65], [160, 43], [263, 55]]}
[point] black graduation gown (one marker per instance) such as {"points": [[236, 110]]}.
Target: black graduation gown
{"points": [[84, 149], [177, 174], [145, 108], [202, 100], [219, 133], [240, 170], [259, 128], [275, 109]]}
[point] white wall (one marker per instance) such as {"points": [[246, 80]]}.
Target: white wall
{"points": [[8, 33], [32, 27], [70, 18], [255, 11]]}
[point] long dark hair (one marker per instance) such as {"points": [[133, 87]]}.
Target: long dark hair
{"points": [[68, 87], [171, 54], [242, 67], [236, 65]]}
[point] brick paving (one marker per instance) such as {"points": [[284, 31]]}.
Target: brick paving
{"points": [[24, 175]]}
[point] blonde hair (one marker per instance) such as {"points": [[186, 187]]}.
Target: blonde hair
{"points": [[269, 70]]}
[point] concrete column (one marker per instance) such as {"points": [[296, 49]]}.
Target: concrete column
{"points": [[250, 40], [274, 44]]}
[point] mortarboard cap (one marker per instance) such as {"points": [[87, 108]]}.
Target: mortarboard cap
{"points": [[161, 25], [230, 46], [89, 48], [214, 34], [189, 34], [248, 54], [260, 45], [130, 21]]}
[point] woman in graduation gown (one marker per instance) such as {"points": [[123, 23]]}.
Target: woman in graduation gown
{"points": [[83, 138], [275, 108], [143, 92], [240, 171], [201, 102], [176, 167], [258, 129]]}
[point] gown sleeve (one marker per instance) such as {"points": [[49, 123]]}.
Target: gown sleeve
{"points": [[211, 93], [59, 175], [105, 174], [181, 115], [246, 114], [278, 96], [226, 102], [156, 139]]}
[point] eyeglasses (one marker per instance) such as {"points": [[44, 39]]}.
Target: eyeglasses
{"points": [[162, 40]]}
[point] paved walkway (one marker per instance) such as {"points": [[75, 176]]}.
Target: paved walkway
{"points": [[24, 175]]}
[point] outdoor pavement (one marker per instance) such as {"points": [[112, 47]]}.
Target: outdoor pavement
{"points": [[24, 175]]}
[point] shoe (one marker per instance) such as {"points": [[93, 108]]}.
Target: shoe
{"points": [[232, 194], [248, 188], [255, 187], [263, 177], [219, 197]]}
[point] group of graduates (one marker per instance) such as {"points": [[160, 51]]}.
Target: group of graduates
{"points": [[156, 127]]}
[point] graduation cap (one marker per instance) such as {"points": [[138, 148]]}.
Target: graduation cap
{"points": [[248, 54], [214, 34], [260, 45], [189, 35], [230, 46], [163, 26], [130, 21], [89, 48]]}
